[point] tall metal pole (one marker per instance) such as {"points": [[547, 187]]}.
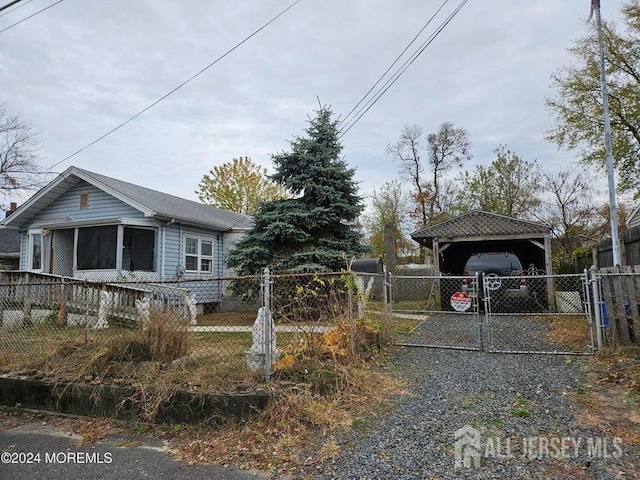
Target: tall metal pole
{"points": [[613, 210]]}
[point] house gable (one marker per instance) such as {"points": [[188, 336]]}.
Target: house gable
{"points": [[70, 206]]}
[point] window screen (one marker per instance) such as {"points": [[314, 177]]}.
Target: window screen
{"points": [[97, 248], [138, 249]]}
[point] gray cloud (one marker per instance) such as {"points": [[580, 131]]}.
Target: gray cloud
{"points": [[81, 68]]}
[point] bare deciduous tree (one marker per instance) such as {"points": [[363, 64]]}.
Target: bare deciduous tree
{"points": [[406, 151], [387, 223], [19, 145], [568, 208], [445, 149], [448, 148]]}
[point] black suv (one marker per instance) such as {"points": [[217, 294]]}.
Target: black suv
{"points": [[504, 277]]}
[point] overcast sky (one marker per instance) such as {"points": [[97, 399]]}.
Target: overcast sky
{"points": [[84, 66]]}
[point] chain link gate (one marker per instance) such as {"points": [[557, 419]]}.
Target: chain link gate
{"points": [[423, 315], [538, 314], [522, 314]]}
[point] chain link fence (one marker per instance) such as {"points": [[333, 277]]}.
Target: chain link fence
{"points": [[229, 331], [519, 313], [201, 331], [538, 313]]}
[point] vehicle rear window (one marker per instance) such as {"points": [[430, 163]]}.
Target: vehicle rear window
{"points": [[497, 260]]}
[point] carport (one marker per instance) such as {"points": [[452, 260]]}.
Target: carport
{"points": [[454, 240]]}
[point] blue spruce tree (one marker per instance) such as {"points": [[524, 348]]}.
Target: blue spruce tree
{"points": [[313, 230]]}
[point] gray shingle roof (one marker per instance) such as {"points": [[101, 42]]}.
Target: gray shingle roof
{"points": [[152, 203], [170, 206], [477, 223]]}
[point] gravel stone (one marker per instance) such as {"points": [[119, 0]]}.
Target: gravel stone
{"points": [[502, 395]]}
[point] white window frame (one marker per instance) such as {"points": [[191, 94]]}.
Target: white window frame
{"points": [[32, 233], [198, 254]]}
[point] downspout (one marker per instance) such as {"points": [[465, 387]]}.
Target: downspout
{"points": [[163, 240], [180, 271]]}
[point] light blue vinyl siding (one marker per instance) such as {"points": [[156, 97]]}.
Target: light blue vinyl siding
{"points": [[101, 205], [172, 251]]}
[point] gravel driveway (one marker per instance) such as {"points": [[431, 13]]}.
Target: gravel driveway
{"points": [[505, 397]]}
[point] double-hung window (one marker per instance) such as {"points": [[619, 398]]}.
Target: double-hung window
{"points": [[198, 255]]}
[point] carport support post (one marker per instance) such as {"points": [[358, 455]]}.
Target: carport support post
{"points": [[597, 304], [266, 288]]}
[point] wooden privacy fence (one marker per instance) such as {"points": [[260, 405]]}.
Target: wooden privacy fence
{"points": [[620, 304], [601, 254]]}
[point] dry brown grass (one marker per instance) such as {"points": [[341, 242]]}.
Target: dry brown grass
{"points": [[610, 399], [322, 390], [568, 329], [299, 428], [118, 352]]}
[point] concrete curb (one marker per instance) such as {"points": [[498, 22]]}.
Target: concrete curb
{"points": [[115, 401]]}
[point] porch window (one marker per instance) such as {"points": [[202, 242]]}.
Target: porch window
{"points": [[198, 255], [35, 251], [97, 248], [138, 246]]}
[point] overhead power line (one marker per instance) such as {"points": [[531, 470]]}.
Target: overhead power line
{"points": [[9, 5], [30, 16], [364, 97], [399, 72], [22, 4], [151, 105]]}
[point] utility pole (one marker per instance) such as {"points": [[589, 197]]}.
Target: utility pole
{"points": [[613, 210], [10, 4]]}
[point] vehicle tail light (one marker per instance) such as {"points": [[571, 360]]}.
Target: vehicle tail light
{"points": [[464, 280], [523, 279]]}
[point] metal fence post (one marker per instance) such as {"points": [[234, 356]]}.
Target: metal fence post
{"points": [[478, 311], [352, 321], [597, 304], [389, 291], [587, 304], [268, 340]]}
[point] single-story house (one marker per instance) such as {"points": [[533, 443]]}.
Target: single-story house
{"points": [[89, 226]]}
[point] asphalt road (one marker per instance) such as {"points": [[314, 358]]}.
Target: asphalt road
{"points": [[53, 455]]}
